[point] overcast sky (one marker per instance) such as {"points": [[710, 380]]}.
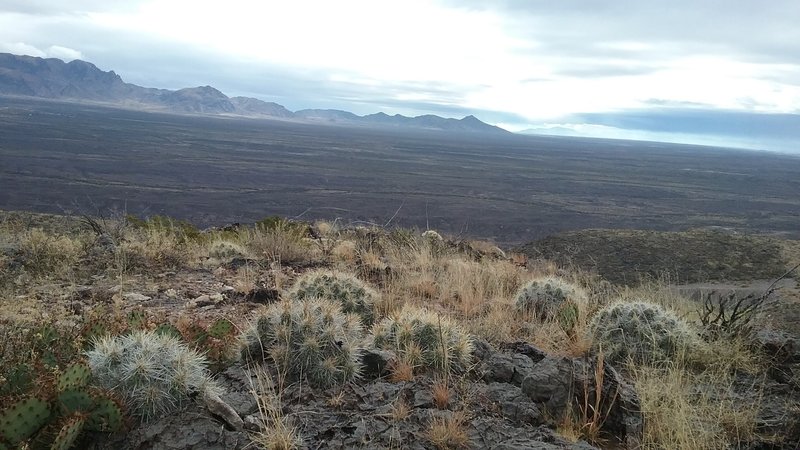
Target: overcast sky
{"points": [[700, 71]]}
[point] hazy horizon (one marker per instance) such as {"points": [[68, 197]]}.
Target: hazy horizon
{"points": [[687, 72]]}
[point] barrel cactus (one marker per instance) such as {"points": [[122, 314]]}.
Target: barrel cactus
{"points": [[154, 373], [552, 298], [352, 295], [642, 333], [307, 339], [424, 339]]}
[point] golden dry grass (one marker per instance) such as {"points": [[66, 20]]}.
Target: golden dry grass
{"points": [[449, 432]]}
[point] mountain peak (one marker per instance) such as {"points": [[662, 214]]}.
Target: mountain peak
{"points": [[82, 80]]}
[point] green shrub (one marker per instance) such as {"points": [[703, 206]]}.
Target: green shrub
{"points": [[352, 294], [226, 250], [307, 339], [154, 373], [640, 332], [424, 339]]}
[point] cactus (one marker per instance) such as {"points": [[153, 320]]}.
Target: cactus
{"points": [[168, 329], [153, 373], [74, 376], [307, 339], [546, 297], [424, 339], [69, 433], [23, 419], [137, 320], [18, 379], [221, 329], [352, 294], [432, 236], [226, 250], [106, 415], [640, 332]]}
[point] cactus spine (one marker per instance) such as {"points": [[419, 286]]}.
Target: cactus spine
{"points": [[307, 339], [352, 294]]}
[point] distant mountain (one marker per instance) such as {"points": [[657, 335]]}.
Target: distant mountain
{"points": [[332, 115], [82, 81], [255, 106]]}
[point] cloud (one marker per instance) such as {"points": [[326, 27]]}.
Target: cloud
{"points": [[65, 53], [21, 48]]}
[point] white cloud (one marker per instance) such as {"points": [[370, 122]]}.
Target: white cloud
{"points": [[65, 53], [21, 48]]}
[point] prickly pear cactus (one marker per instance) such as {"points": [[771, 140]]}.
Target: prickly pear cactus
{"points": [[640, 332], [74, 376], [106, 415], [352, 294], [24, 418], [69, 433], [424, 339], [169, 330], [221, 329], [308, 339]]}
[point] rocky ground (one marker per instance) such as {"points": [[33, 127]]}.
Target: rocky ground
{"points": [[522, 391]]}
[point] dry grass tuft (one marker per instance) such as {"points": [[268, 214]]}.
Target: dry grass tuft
{"points": [[400, 410], [440, 392], [449, 432], [401, 370], [276, 432]]}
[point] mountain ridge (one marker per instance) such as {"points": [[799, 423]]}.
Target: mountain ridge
{"points": [[79, 80]]}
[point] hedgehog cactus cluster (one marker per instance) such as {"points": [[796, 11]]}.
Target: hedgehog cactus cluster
{"points": [[153, 372], [308, 339], [352, 294], [640, 332], [424, 339], [552, 298], [55, 418]]}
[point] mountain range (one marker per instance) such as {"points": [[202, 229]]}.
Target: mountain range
{"points": [[82, 81]]}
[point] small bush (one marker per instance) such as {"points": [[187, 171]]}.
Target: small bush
{"points": [[307, 339], [643, 333], [226, 250], [44, 254], [352, 294], [154, 373], [424, 339]]}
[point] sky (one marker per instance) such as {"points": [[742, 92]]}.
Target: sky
{"points": [[717, 72]]}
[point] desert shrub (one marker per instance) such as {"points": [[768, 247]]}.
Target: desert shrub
{"points": [[432, 236], [153, 372], [44, 254], [424, 339], [643, 333], [352, 294], [226, 250], [552, 298], [307, 339], [280, 240], [152, 248], [182, 230]]}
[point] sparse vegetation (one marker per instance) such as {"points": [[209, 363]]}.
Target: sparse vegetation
{"points": [[429, 301]]}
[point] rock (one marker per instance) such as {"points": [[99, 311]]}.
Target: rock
{"points": [[219, 408], [780, 346], [135, 297], [376, 363], [115, 289], [228, 289], [511, 402], [216, 298]]}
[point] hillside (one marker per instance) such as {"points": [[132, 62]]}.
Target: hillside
{"points": [[630, 256], [314, 335]]}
